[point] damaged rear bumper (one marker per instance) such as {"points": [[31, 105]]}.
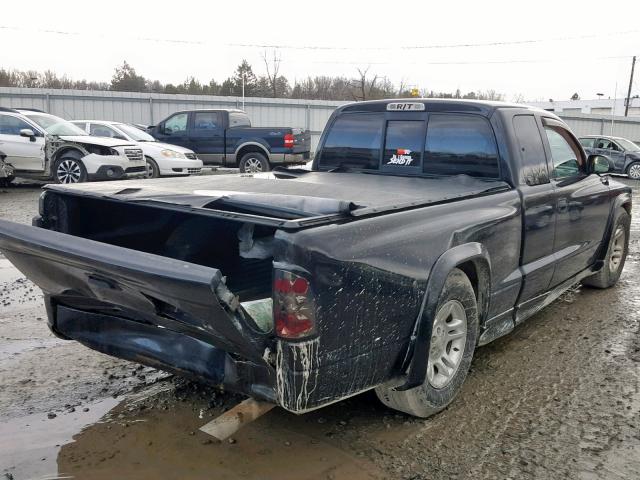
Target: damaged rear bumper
{"points": [[162, 348]]}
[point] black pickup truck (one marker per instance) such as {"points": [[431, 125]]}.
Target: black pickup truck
{"points": [[226, 137], [425, 229]]}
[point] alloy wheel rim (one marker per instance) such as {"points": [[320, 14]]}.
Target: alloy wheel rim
{"points": [[69, 171], [253, 165], [634, 171], [617, 249], [448, 339]]}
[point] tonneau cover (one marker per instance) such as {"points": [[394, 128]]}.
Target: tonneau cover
{"points": [[306, 193]]}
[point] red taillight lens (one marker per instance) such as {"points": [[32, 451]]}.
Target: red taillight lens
{"points": [[288, 140], [293, 305]]}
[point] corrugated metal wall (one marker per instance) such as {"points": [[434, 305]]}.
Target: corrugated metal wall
{"points": [[150, 108], [583, 124]]}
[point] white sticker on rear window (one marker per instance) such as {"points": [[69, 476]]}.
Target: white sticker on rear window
{"points": [[394, 107], [401, 157]]}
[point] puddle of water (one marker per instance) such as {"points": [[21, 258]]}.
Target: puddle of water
{"points": [[167, 444], [29, 445], [123, 439]]}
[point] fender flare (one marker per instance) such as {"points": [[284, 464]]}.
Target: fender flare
{"points": [[618, 202], [417, 354], [252, 143]]}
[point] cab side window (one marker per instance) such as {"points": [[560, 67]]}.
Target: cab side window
{"points": [[607, 144], [206, 121], [11, 125], [176, 124], [565, 153], [533, 160]]}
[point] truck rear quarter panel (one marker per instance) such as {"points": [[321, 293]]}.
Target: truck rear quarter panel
{"points": [[370, 278]]}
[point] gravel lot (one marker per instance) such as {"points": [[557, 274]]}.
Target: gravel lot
{"points": [[557, 398]]}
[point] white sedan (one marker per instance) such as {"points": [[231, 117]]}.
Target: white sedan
{"points": [[162, 158]]}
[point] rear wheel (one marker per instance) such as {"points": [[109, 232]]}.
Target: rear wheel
{"points": [[616, 254], [254, 162], [454, 334], [69, 170], [633, 170]]}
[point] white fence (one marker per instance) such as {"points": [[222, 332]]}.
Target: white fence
{"points": [[150, 108]]}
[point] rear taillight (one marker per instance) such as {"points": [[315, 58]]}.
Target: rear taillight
{"points": [[288, 140], [293, 305]]}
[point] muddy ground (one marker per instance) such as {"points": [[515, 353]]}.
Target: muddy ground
{"points": [[557, 398]]}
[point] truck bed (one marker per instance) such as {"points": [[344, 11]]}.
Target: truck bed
{"points": [[291, 198]]}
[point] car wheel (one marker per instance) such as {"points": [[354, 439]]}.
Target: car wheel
{"points": [[633, 170], [616, 254], [453, 339], [69, 170], [152, 168], [254, 162], [6, 181]]}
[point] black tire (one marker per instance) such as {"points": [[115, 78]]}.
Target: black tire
{"points": [[254, 162], [633, 170], [152, 167], [426, 400], [616, 254], [68, 169], [6, 181]]}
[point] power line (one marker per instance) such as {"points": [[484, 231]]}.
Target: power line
{"points": [[439, 46], [475, 62], [333, 48]]}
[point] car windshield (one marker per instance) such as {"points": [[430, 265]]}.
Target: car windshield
{"points": [[627, 144], [55, 125], [135, 133]]}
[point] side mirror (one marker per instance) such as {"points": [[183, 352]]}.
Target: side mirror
{"points": [[27, 132], [597, 164]]}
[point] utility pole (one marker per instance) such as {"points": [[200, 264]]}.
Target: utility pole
{"points": [[243, 80], [633, 66]]}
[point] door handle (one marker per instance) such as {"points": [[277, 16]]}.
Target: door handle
{"points": [[605, 179]]}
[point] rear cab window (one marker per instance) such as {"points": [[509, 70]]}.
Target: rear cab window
{"points": [[403, 146], [416, 143], [354, 141]]}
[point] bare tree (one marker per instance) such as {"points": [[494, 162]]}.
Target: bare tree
{"points": [[363, 87], [273, 68]]}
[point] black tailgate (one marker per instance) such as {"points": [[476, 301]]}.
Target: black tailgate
{"points": [[161, 291]]}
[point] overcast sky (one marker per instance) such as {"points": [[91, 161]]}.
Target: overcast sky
{"points": [[553, 48]]}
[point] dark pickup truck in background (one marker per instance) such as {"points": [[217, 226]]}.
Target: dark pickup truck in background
{"points": [[226, 137], [424, 229]]}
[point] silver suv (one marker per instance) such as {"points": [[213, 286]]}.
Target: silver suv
{"points": [[42, 146]]}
